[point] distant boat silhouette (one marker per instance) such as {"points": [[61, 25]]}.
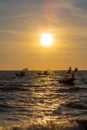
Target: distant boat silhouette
{"points": [[22, 72], [69, 79], [45, 72]]}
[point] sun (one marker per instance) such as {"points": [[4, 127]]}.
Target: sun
{"points": [[46, 40]]}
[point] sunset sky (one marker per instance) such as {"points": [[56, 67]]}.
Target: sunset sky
{"points": [[22, 22]]}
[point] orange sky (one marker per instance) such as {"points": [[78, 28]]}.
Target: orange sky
{"points": [[23, 22]]}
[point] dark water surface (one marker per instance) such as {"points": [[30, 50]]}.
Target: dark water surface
{"points": [[41, 98]]}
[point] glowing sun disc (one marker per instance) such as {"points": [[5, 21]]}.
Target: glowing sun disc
{"points": [[46, 40]]}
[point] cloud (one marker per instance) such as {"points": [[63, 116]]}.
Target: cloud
{"points": [[9, 31], [81, 4], [17, 16], [77, 8]]}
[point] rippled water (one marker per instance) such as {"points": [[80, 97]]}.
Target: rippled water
{"points": [[41, 98]]}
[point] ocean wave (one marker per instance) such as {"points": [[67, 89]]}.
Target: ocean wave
{"points": [[75, 105], [18, 87], [69, 89], [13, 88], [50, 125]]}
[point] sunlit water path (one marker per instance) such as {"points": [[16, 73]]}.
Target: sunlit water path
{"points": [[41, 98]]}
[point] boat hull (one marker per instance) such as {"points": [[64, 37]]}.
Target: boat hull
{"points": [[67, 81]]}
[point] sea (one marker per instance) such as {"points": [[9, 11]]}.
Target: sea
{"points": [[38, 101]]}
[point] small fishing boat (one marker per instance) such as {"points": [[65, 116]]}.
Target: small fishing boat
{"points": [[22, 72], [69, 77], [45, 72], [69, 81]]}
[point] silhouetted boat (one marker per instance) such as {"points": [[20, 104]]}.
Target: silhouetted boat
{"points": [[22, 73], [69, 78], [46, 72], [69, 81]]}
